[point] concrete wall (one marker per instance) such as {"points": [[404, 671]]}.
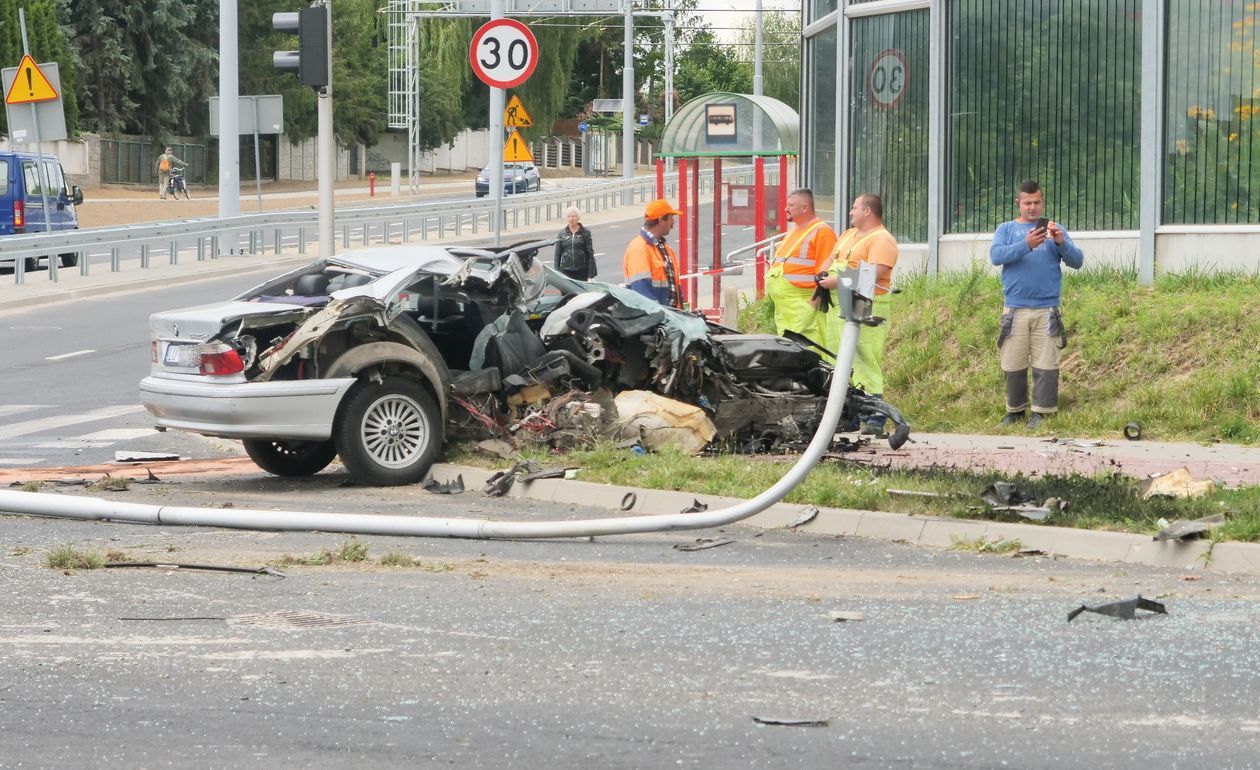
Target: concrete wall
{"points": [[80, 158], [469, 152], [300, 161], [1178, 249]]}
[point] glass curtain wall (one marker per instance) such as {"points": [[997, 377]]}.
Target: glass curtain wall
{"points": [[821, 140], [1212, 113], [889, 109], [1048, 91]]}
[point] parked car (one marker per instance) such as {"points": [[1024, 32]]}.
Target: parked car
{"points": [[379, 355], [517, 178], [22, 204]]}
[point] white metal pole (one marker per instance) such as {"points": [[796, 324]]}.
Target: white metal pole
{"points": [[257, 155], [229, 118], [627, 103], [496, 141], [327, 154], [39, 147]]}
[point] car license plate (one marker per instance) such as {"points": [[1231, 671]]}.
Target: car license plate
{"points": [[182, 354]]}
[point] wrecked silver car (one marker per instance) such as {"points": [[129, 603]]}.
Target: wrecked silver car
{"points": [[378, 356]]}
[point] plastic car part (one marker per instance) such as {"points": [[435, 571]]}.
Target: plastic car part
{"points": [[290, 458], [388, 432], [1125, 609]]}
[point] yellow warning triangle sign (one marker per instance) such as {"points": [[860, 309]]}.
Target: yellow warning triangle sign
{"points": [[516, 149], [515, 115], [30, 85]]}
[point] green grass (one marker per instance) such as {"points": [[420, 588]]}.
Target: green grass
{"points": [[1179, 358], [67, 557], [1109, 502], [402, 560], [984, 545], [349, 552]]}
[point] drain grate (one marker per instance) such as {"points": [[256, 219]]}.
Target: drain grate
{"points": [[295, 619]]}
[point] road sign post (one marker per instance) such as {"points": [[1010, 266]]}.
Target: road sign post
{"points": [[503, 54], [30, 86]]}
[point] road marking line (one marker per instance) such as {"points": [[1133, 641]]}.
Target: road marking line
{"points": [[116, 434], [7, 461], [5, 411], [64, 356], [72, 443], [35, 426]]}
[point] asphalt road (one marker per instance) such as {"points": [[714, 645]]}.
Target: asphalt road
{"points": [[622, 652]]}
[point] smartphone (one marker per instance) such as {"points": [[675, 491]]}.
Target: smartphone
{"points": [[1042, 223]]}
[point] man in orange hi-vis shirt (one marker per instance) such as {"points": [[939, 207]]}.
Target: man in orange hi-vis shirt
{"points": [[802, 255]]}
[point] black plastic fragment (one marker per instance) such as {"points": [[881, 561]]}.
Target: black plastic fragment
{"points": [[444, 487], [1125, 609]]}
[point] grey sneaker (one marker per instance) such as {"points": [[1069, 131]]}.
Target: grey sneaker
{"points": [[1034, 421], [1012, 418]]}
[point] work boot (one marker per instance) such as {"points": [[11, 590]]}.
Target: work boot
{"points": [[1012, 418], [1034, 421]]}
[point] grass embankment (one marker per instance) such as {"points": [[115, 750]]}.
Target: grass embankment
{"points": [[1101, 502], [1181, 358]]}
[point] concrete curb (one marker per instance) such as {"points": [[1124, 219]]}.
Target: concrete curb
{"points": [[929, 531]]}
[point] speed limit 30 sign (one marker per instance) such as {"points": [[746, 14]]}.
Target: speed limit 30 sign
{"points": [[503, 53], [887, 78]]}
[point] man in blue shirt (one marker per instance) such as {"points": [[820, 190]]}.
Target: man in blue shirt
{"points": [[1029, 250]]}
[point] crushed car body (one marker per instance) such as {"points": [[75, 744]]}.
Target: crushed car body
{"points": [[379, 356]]}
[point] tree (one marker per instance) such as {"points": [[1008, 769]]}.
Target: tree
{"points": [[48, 43], [706, 65], [781, 55]]}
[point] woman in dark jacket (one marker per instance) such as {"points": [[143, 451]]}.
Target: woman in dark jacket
{"points": [[575, 253]]}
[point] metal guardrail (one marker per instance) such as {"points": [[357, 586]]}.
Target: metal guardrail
{"points": [[280, 231]]}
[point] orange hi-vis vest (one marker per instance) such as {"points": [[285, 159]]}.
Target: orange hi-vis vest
{"points": [[800, 263]]}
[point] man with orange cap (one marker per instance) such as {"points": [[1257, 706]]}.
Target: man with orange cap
{"points": [[649, 264], [802, 255]]}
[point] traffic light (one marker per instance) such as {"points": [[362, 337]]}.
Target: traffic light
{"points": [[311, 61]]}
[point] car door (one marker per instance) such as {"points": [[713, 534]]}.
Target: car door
{"points": [[8, 189], [60, 207], [32, 200]]}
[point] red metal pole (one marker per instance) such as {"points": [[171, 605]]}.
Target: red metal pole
{"points": [[717, 231], [693, 285], [683, 264], [783, 192], [660, 177], [759, 221]]}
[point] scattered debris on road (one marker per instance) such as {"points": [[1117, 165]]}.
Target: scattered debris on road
{"points": [[1178, 483], [1125, 609], [142, 457], [845, 616], [1187, 530], [695, 507], [807, 515], [703, 543], [256, 572], [1133, 430], [789, 722], [444, 488]]}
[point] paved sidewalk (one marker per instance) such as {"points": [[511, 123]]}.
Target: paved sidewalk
{"points": [[1230, 464]]}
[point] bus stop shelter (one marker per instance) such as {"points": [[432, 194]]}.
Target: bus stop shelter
{"points": [[709, 129]]}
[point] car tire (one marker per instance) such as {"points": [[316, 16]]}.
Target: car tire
{"points": [[290, 458], [388, 433], [69, 260]]}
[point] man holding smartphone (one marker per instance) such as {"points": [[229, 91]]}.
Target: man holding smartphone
{"points": [[1030, 250]]}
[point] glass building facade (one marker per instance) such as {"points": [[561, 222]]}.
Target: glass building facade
{"points": [[1137, 116]]}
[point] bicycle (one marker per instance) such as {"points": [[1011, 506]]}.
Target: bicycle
{"points": [[176, 186]]}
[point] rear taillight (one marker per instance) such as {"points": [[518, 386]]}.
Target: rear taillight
{"points": [[19, 214], [218, 359], [153, 346]]}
